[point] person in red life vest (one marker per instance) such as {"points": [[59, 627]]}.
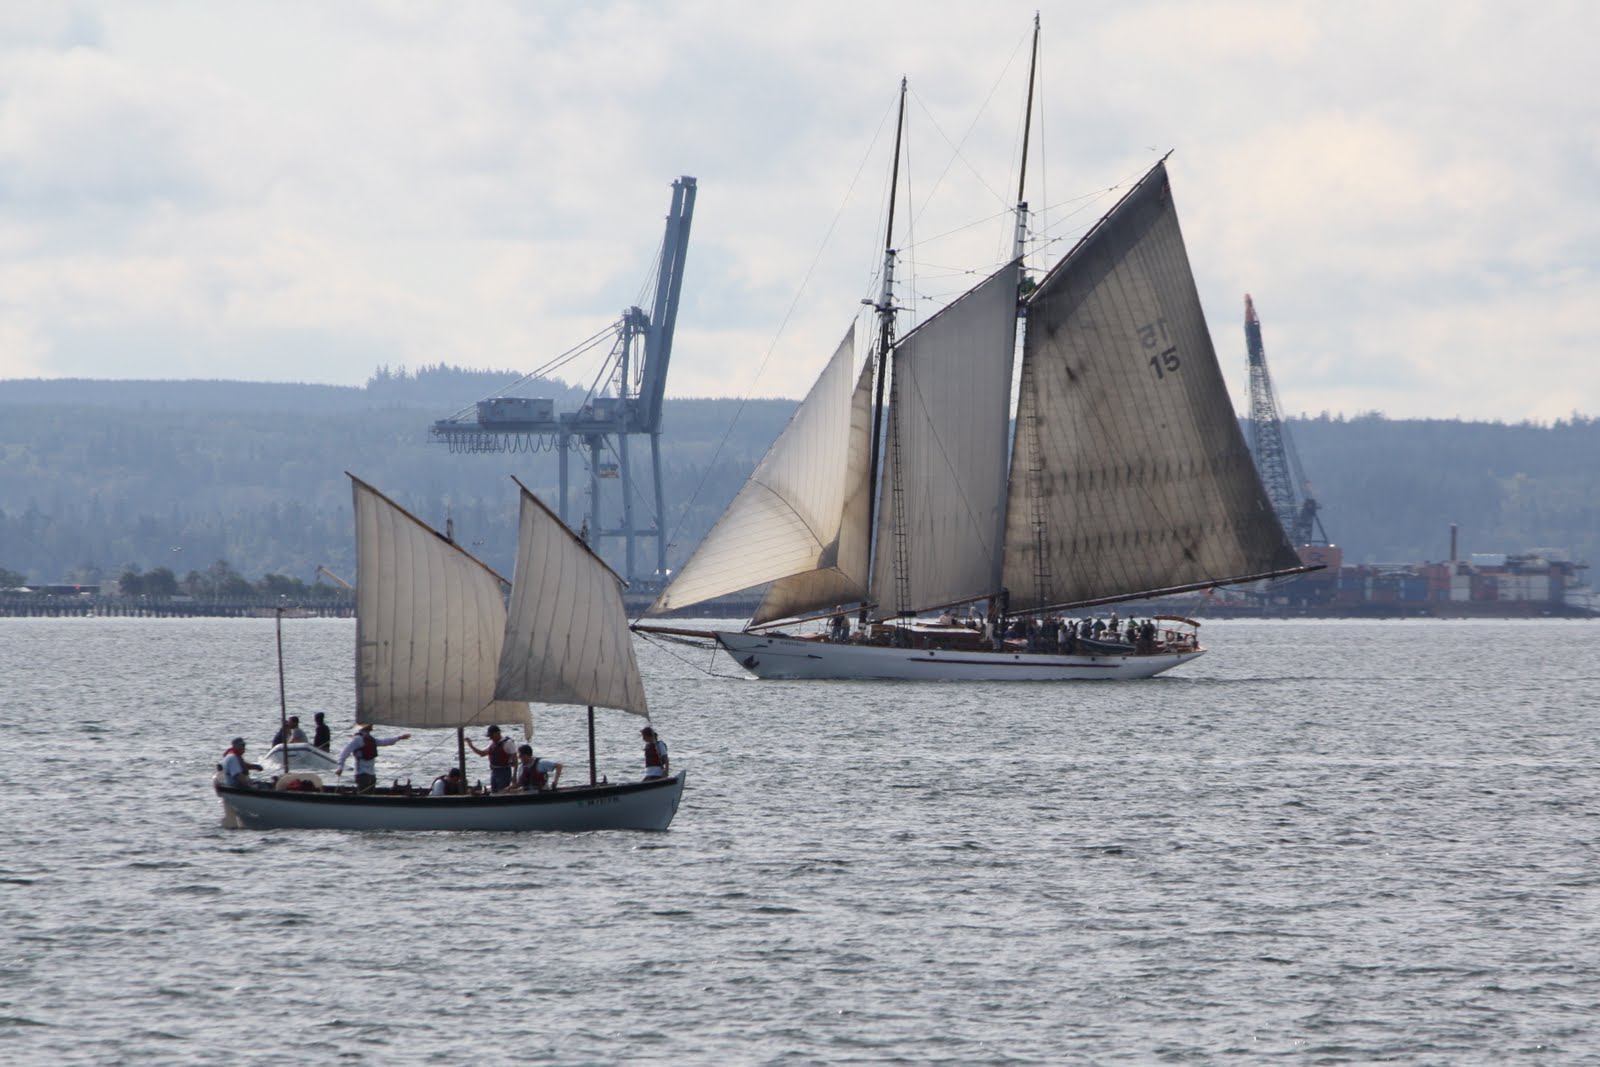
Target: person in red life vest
{"points": [[449, 785], [235, 769], [536, 774], [502, 753], [364, 747], [656, 764]]}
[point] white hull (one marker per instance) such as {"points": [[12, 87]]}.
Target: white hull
{"points": [[768, 656], [646, 805], [302, 757]]}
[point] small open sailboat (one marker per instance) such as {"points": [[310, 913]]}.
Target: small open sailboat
{"points": [[1125, 476], [437, 648]]}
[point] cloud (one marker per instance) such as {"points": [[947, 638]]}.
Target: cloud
{"points": [[307, 190]]}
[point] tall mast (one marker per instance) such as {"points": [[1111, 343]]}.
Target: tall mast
{"points": [[1030, 422], [885, 311], [1027, 128]]}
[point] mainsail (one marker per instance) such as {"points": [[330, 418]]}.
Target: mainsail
{"points": [[942, 509], [803, 511], [1129, 473], [566, 637], [429, 624]]}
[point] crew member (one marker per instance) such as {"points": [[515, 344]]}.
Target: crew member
{"points": [[364, 747], [656, 764], [235, 769], [449, 785], [502, 755], [290, 733], [536, 774]]}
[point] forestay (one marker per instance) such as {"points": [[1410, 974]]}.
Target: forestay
{"points": [[567, 639], [429, 623], [1129, 469], [803, 511], [944, 479]]}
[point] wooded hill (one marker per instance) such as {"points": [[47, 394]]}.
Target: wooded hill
{"points": [[97, 477]]}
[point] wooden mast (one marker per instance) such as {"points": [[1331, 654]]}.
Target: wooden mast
{"points": [[885, 311]]}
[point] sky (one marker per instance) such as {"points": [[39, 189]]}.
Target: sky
{"points": [[306, 191]]}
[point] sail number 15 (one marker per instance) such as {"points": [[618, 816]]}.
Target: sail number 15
{"points": [[1153, 334]]}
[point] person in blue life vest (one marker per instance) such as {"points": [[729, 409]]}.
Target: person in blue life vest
{"points": [[235, 768], [364, 747], [502, 755], [656, 764], [535, 774]]}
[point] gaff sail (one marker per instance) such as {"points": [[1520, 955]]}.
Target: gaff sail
{"points": [[1129, 472]]}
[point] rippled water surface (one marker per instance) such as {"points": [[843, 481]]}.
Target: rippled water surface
{"points": [[1322, 842]]}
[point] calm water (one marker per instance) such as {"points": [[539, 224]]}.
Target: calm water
{"points": [[1320, 843]]}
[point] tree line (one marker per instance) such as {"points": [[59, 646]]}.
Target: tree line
{"points": [[102, 479]]}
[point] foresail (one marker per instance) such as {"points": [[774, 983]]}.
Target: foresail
{"points": [[789, 517], [1129, 472], [567, 639], [840, 577], [429, 622], [944, 480]]}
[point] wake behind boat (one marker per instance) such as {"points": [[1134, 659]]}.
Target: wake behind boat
{"points": [[1125, 477], [437, 648]]}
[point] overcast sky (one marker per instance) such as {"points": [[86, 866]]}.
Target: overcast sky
{"points": [[304, 191]]}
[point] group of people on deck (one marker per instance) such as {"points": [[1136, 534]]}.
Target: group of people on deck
{"points": [[513, 768], [1047, 634], [1052, 634]]}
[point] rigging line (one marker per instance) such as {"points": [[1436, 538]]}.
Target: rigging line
{"points": [[782, 326], [658, 642], [956, 147]]}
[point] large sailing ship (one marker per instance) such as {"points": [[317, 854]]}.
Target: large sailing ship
{"points": [[1123, 476]]}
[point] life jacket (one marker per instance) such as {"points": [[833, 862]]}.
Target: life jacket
{"points": [[449, 789], [652, 754], [498, 756], [532, 778], [369, 747]]}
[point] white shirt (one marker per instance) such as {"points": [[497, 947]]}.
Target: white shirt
{"points": [[233, 771], [357, 743]]}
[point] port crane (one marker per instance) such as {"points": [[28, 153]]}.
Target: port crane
{"points": [[1275, 456], [624, 402], [321, 570]]}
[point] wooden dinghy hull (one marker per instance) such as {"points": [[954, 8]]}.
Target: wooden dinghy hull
{"points": [[645, 805]]}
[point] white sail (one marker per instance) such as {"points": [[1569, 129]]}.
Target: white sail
{"points": [[429, 622], [789, 519], [566, 639], [1129, 473], [944, 459], [841, 574]]}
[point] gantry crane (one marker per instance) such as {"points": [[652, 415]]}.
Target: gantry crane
{"points": [[625, 401], [1276, 460]]}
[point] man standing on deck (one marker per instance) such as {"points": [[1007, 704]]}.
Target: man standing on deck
{"points": [[364, 747], [502, 755], [322, 735]]}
